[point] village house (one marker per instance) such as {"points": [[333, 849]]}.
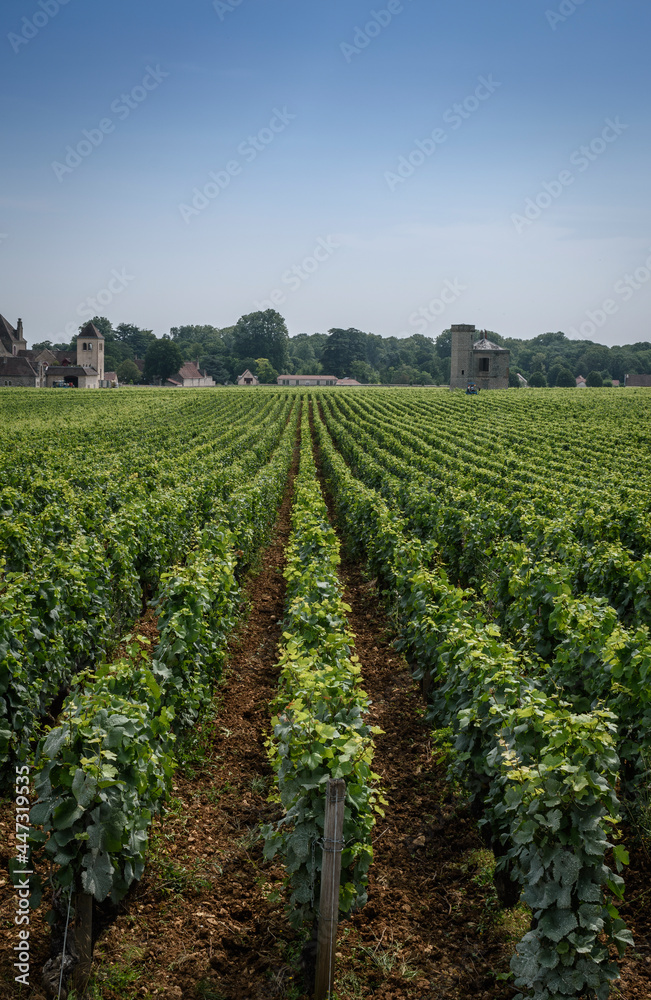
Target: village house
{"points": [[477, 360], [189, 377], [641, 381], [248, 378]]}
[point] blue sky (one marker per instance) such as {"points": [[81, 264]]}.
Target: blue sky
{"points": [[391, 166]]}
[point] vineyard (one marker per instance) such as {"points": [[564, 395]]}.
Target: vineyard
{"points": [[212, 604]]}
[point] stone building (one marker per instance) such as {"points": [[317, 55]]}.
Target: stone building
{"points": [[476, 359], [189, 377], [18, 365], [17, 371], [12, 340], [641, 381], [248, 378], [88, 373]]}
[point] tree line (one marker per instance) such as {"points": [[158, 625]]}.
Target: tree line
{"points": [[260, 342]]}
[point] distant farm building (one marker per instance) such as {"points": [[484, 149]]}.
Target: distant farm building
{"points": [[189, 377], [248, 378], [581, 382], [307, 380], [641, 381], [477, 360], [347, 381]]}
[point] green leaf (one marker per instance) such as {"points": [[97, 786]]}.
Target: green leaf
{"points": [[66, 814], [83, 788], [621, 856], [97, 877], [557, 924]]}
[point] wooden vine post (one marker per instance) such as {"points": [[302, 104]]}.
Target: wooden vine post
{"points": [[329, 899], [83, 941]]}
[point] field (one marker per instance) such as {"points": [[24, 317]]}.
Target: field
{"points": [[213, 601]]}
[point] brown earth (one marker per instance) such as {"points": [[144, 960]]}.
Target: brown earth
{"points": [[201, 924]]}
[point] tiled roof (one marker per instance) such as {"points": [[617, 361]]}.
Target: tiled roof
{"points": [[75, 370], [189, 370], [111, 376], [348, 381], [90, 331], [17, 367]]}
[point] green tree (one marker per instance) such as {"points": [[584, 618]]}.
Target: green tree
{"points": [[565, 379], [263, 335], [363, 372], [444, 344], [594, 380], [214, 365], [341, 350], [553, 373], [135, 338], [595, 358], [162, 360], [514, 381], [538, 381], [266, 373], [128, 373]]}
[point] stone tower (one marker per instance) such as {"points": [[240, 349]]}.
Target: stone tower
{"points": [[477, 359], [461, 369], [90, 349]]}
